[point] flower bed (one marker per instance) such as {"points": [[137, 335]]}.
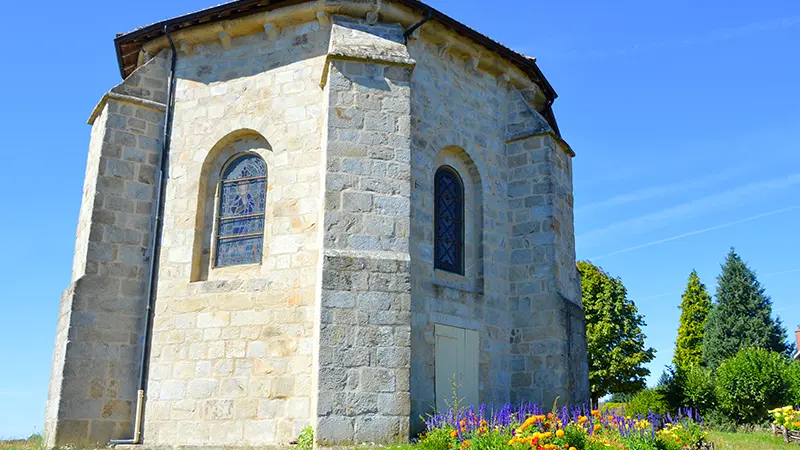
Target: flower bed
{"points": [[526, 426], [787, 422]]}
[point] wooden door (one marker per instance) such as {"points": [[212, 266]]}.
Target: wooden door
{"points": [[456, 360]]}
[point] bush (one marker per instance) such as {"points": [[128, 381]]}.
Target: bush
{"points": [[306, 439], [614, 407], [698, 389], [751, 383], [647, 400], [793, 378], [718, 421]]}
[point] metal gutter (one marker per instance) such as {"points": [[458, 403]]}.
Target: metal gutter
{"points": [[155, 252]]}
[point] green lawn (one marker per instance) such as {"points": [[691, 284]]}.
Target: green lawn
{"points": [[749, 441], [32, 443]]}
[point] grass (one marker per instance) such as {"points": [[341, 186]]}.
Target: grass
{"points": [[749, 441], [34, 442]]}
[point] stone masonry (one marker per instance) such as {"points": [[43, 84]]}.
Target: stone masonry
{"points": [[334, 327], [100, 325]]}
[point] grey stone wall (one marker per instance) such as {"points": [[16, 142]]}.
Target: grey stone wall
{"points": [[232, 348], [100, 327], [364, 346], [548, 328], [458, 119]]}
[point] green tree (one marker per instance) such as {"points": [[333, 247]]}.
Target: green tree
{"points": [[741, 317], [750, 383], [617, 352], [695, 305]]}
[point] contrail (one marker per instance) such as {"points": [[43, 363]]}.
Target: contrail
{"points": [[782, 272], [696, 232], [658, 191], [709, 37], [734, 197]]}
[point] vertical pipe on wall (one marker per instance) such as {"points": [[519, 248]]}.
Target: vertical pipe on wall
{"points": [[154, 249]]}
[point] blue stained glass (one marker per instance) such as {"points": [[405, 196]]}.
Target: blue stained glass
{"points": [[449, 222], [244, 250], [243, 197], [240, 228], [236, 227], [247, 166]]}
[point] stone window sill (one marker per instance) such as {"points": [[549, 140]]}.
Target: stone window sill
{"points": [[456, 281]]}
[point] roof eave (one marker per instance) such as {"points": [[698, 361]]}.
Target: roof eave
{"points": [[245, 7]]}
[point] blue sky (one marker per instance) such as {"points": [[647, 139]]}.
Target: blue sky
{"points": [[684, 116]]}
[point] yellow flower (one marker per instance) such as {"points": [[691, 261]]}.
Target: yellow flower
{"points": [[560, 433]]}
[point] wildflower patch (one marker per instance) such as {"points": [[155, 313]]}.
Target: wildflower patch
{"points": [[526, 426]]}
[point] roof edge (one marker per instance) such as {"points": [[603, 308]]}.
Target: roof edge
{"points": [[240, 8]]}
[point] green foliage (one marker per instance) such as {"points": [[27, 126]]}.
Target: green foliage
{"points": [[639, 441], [615, 407], [750, 384], [489, 441], [437, 439], [670, 384], [793, 378], [647, 400], [621, 397], [695, 306], [718, 421], [617, 352], [741, 317], [575, 436], [698, 389], [306, 439], [685, 434]]}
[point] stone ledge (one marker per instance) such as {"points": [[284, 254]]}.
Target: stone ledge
{"points": [[149, 104]]}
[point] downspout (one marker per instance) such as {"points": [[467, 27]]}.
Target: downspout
{"points": [[155, 250], [414, 27]]}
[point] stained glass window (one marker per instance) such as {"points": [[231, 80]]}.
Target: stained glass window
{"points": [[449, 217], [240, 224]]}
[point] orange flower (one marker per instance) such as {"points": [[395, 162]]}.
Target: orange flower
{"points": [[453, 433]]}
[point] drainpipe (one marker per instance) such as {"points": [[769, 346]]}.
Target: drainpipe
{"points": [[154, 250], [414, 27]]}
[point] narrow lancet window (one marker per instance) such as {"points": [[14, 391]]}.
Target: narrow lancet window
{"points": [[449, 221], [240, 220]]}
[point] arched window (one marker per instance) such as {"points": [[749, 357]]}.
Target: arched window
{"points": [[449, 221], [240, 217]]}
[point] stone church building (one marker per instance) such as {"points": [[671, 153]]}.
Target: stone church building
{"points": [[316, 213]]}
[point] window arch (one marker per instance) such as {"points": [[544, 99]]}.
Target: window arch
{"points": [[240, 215], [449, 221]]}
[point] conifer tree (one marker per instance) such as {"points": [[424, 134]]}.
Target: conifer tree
{"points": [[741, 317], [616, 347], [695, 305]]}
